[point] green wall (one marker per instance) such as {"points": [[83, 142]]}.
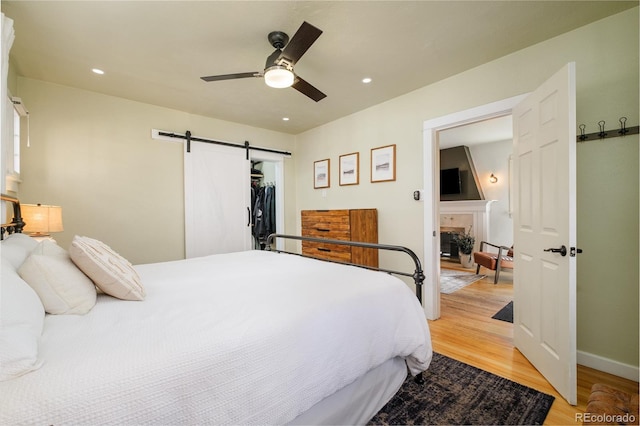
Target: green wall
{"points": [[93, 155]]}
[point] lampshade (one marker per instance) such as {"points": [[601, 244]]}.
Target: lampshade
{"points": [[278, 76], [41, 220]]}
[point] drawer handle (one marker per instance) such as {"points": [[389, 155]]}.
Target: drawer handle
{"points": [[323, 230], [323, 249]]}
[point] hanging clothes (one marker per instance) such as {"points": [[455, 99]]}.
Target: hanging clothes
{"points": [[263, 214], [270, 210]]}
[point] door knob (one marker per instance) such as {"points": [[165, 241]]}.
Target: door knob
{"points": [[562, 250]]}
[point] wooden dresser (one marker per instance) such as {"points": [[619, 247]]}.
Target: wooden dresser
{"points": [[348, 225]]}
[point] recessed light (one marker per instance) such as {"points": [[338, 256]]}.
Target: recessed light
{"points": [[285, 118], [366, 80], [97, 71]]}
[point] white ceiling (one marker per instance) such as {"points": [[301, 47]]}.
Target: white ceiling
{"points": [[493, 130], [156, 51]]}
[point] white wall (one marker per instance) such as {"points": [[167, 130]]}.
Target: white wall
{"points": [[493, 158], [606, 56]]}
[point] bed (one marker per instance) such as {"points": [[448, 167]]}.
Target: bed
{"points": [[254, 337]]}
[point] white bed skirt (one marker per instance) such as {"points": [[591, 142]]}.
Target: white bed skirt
{"points": [[358, 402]]}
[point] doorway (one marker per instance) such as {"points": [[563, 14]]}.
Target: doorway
{"points": [[432, 189], [218, 197], [545, 281], [273, 167], [479, 156]]}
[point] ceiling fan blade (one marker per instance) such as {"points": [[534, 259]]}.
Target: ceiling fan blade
{"points": [[301, 41], [232, 76], [307, 89]]}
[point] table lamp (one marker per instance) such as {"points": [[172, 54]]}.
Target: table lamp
{"points": [[41, 220]]}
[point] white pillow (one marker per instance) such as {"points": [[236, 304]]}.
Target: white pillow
{"points": [[21, 325], [112, 273], [16, 248], [61, 286]]}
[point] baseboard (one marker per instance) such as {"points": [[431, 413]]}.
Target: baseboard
{"points": [[607, 365]]}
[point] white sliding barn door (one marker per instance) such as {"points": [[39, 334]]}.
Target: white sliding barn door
{"points": [[217, 199], [544, 219]]}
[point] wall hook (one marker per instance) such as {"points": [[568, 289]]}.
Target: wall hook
{"points": [[582, 136], [602, 133], [623, 126]]}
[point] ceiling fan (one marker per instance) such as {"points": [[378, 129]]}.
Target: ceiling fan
{"points": [[278, 70]]}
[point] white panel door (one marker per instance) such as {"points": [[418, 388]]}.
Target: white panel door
{"points": [[544, 223], [217, 199]]}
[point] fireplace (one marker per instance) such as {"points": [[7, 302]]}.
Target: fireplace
{"points": [[448, 247], [470, 216]]}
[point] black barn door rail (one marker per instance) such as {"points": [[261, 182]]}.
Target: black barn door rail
{"points": [[188, 137]]}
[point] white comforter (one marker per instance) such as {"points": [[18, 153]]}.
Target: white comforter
{"points": [[242, 338]]}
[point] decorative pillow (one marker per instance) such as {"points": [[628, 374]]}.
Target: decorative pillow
{"points": [[61, 286], [16, 248], [21, 325], [112, 273]]}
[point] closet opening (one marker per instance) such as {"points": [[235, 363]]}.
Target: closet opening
{"points": [[263, 202], [267, 198]]}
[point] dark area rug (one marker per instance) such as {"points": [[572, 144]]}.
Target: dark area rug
{"points": [[455, 393], [505, 314]]}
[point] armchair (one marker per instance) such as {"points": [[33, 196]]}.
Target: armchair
{"points": [[491, 260]]}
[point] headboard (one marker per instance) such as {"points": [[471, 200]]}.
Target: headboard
{"points": [[17, 223]]}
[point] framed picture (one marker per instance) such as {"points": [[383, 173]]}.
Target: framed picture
{"points": [[350, 169], [383, 163], [321, 174]]}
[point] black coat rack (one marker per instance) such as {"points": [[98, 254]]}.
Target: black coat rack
{"points": [[604, 134]]}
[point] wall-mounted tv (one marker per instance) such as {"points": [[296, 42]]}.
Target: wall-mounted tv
{"points": [[450, 182]]}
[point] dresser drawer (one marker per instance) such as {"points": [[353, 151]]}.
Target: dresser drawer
{"points": [[326, 219], [326, 215], [331, 234], [327, 251]]}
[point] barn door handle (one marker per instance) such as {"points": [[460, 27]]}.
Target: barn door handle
{"points": [[249, 216], [562, 250]]}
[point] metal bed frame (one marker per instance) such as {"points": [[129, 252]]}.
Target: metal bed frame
{"points": [[17, 223], [417, 274]]}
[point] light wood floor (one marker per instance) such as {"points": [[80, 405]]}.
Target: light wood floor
{"points": [[467, 332]]}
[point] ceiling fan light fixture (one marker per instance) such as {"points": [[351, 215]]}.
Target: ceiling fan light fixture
{"points": [[278, 76]]}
